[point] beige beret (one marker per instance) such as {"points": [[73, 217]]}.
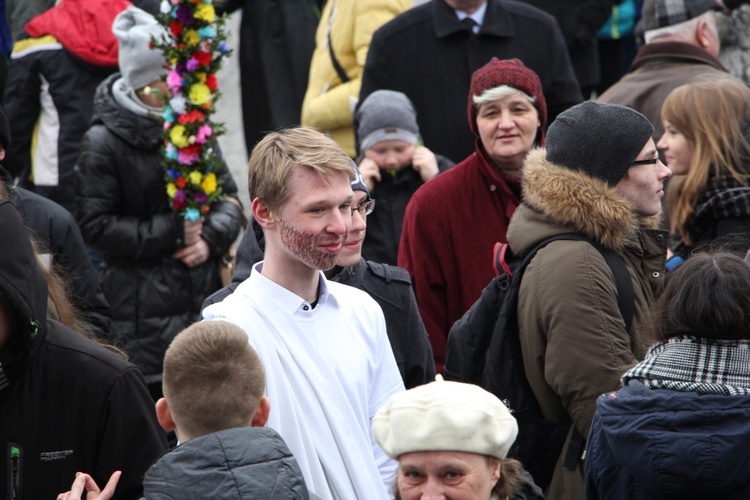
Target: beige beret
{"points": [[445, 416]]}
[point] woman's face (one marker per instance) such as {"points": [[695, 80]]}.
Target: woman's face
{"points": [[507, 128], [453, 475], [677, 151]]}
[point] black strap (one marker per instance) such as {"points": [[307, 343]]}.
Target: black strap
{"points": [[336, 65], [625, 292]]}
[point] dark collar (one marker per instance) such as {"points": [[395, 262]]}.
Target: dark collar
{"points": [[497, 21], [674, 51]]}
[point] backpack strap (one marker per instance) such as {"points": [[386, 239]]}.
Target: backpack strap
{"points": [[625, 302], [625, 292]]}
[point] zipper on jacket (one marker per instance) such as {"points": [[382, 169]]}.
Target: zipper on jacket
{"points": [[14, 472]]}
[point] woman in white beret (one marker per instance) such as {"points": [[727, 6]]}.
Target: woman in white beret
{"points": [[451, 441]]}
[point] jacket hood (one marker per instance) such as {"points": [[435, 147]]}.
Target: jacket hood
{"points": [[141, 132], [246, 462], [24, 285], [582, 203], [679, 444]]}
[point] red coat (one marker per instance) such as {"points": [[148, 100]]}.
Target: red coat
{"points": [[83, 27], [450, 229]]}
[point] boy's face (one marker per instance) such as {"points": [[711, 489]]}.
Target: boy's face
{"points": [[315, 221], [391, 154]]}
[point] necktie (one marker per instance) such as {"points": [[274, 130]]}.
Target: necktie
{"points": [[470, 25]]}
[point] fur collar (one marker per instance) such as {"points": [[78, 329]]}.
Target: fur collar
{"points": [[572, 198]]}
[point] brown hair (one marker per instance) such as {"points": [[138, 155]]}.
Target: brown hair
{"points": [[709, 113], [707, 296], [213, 379], [59, 305], [274, 158]]}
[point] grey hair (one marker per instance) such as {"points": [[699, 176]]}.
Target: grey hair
{"points": [[684, 31], [497, 93]]}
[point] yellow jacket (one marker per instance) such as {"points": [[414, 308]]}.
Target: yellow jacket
{"points": [[328, 104]]}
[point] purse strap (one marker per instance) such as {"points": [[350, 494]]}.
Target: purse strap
{"points": [[336, 65]]}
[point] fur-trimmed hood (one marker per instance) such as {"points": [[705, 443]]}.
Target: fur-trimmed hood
{"points": [[575, 201]]}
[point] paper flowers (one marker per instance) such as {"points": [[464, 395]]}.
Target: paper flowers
{"points": [[194, 51]]}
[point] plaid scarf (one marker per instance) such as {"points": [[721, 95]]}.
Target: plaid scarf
{"points": [[694, 364], [722, 198]]}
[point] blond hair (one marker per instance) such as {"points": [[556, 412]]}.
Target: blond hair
{"points": [[213, 380], [274, 158], [709, 113]]}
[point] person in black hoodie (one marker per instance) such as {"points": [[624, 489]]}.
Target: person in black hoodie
{"points": [[55, 229], [390, 286], [66, 403]]}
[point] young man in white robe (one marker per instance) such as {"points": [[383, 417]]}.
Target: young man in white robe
{"points": [[324, 345]]}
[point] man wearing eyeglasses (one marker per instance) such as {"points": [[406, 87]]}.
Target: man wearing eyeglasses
{"points": [[324, 345], [599, 177]]}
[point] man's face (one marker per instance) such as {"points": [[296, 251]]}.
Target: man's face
{"points": [[315, 221], [643, 185], [352, 251], [391, 154]]}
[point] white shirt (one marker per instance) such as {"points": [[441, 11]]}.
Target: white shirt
{"points": [[328, 370]]}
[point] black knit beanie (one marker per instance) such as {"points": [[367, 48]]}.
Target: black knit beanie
{"points": [[601, 140]]}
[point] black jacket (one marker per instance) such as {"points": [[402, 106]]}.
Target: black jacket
{"points": [[392, 192], [390, 286], [427, 54], [66, 403], [580, 21], [56, 230], [277, 39], [123, 211]]}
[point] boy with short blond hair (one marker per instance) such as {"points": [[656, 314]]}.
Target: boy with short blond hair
{"points": [[213, 380], [213, 399]]}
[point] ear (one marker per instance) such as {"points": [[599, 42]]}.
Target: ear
{"points": [[261, 412], [164, 415], [262, 213], [496, 465], [704, 34]]}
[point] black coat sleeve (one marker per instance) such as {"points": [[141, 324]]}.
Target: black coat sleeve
{"points": [[99, 201], [22, 107], [131, 437], [57, 230]]}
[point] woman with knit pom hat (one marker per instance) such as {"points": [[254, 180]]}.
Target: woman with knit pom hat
{"points": [[451, 441], [453, 222]]}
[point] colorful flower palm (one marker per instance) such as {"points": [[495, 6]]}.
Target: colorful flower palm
{"points": [[194, 50]]}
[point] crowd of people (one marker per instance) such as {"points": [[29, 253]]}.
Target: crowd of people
{"points": [[392, 148]]}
